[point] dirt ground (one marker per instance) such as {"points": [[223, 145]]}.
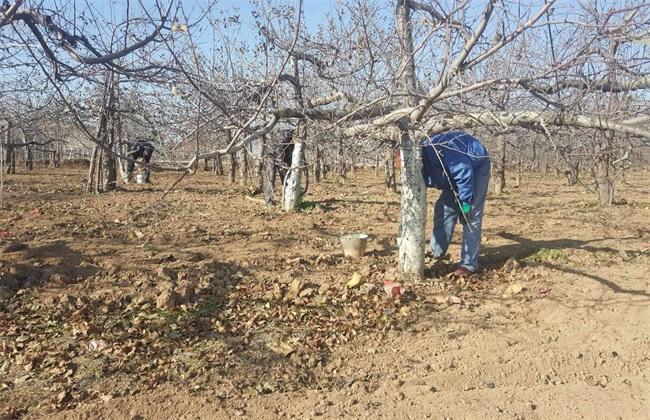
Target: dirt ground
{"points": [[209, 305]]}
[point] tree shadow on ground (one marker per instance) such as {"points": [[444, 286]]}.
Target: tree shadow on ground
{"points": [[331, 201], [33, 267], [204, 191], [525, 248]]}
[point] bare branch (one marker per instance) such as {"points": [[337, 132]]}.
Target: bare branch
{"points": [[444, 81], [235, 147], [530, 119], [69, 41], [8, 12], [586, 84], [317, 62], [510, 37]]}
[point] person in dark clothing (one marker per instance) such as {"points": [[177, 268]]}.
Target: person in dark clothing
{"points": [[279, 157], [141, 149], [459, 165], [281, 154], [287, 156]]}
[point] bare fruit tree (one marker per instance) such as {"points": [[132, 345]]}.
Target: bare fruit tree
{"points": [[80, 47], [569, 76], [401, 73]]}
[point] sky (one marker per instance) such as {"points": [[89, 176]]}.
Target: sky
{"points": [[314, 10]]}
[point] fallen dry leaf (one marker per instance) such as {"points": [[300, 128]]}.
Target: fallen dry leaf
{"points": [[281, 348], [357, 280]]}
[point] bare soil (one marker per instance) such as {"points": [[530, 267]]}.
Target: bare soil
{"points": [[207, 304]]}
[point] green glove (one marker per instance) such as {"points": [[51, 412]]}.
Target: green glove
{"points": [[465, 209]]}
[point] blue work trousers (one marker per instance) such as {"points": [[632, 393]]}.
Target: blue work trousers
{"points": [[445, 215]]}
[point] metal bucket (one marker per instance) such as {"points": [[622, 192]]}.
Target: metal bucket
{"points": [[354, 245], [139, 178]]}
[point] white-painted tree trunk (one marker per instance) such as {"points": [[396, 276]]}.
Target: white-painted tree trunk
{"points": [[291, 192], [414, 208]]}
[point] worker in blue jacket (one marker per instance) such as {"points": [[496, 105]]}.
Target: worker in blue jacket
{"points": [[459, 165]]}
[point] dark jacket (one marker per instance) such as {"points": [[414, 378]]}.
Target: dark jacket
{"points": [[141, 148], [449, 161]]}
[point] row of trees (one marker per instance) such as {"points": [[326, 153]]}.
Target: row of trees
{"points": [[380, 73]]}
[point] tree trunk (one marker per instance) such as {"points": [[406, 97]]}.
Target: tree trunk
{"points": [[544, 167], [602, 173], [518, 176], [414, 208], [29, 158], [59, 153], [259, 166], [305, 170], [342, 167], [110, 164], [291, 192], [604, 170], [243, 167], [217, 165], [10, 153], [573, 172], [271, 172], [91, 170], [11, 158], [376, 165], [414, 192], [102, 174], [233, 168], [389, 164], [122, 147], [317, 164], [500, 166], [119, 147]]}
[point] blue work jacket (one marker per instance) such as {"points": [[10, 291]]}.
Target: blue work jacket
{"points": [[449, 161]]}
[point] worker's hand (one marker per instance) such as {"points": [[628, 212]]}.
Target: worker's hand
{"points": [[465, 210]]}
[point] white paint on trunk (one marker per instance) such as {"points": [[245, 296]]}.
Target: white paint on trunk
{"points": [[414, 208], [291, 191]]}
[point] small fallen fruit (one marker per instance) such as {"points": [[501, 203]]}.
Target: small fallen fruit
{"points": [[393, 288], [357, 280], [514, 289], [97, 345], [455, 300]]}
